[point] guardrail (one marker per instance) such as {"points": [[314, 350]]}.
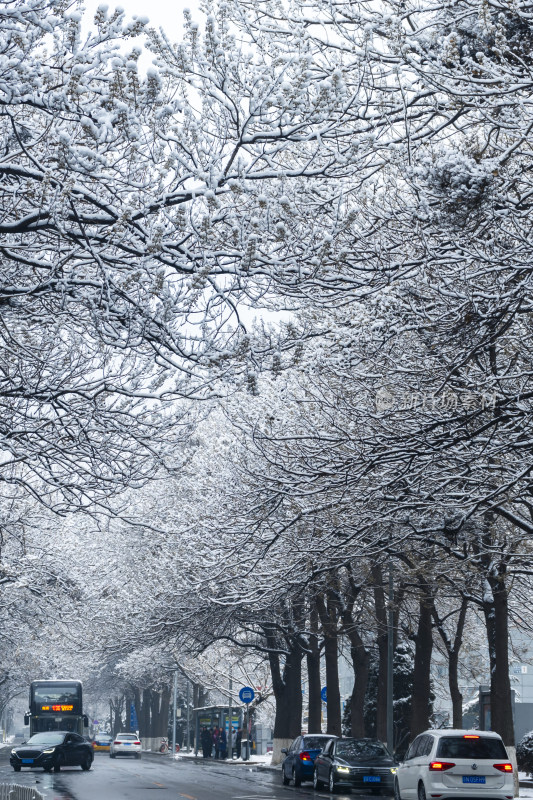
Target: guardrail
{"points": [[13, 792]]}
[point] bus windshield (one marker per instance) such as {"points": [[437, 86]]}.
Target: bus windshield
{"points": [[57, 697]]}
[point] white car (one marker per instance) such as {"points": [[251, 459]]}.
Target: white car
{"points": [[125, 744], [449, 763]]}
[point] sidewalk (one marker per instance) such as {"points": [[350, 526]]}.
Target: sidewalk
{"points": [[261, 762]]}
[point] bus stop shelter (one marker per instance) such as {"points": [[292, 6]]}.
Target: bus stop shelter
{"points": [[216, 716]]}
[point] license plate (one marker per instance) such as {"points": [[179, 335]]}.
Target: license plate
{"points": [[372, 779], [126, 744], [473, 779], [27, 760]]}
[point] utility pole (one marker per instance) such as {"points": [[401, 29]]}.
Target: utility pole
{"points": [[175, 704], [188, 720], [230, 716]]}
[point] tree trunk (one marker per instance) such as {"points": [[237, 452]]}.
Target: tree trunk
{"points": [[155, 699], [314, 722], [164, 711], [453, 651], [495, 609], [328, 614], [287, 687], [382, 643], [360, 663], [421, 698]]}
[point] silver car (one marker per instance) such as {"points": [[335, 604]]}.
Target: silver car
{"points": [[125, 744], [453, 763]]}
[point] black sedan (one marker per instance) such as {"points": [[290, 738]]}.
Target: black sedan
{"points": [[357, 763], [51, 751]]}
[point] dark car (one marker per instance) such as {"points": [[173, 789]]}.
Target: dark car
{"points": [[300, 757], [51, 751], [357, 763]]}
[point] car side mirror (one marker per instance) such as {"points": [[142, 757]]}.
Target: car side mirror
{"points": [[284, 750]]}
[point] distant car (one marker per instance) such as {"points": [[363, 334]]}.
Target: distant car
{"points": [[102, 742], [125, 744], [51, 751], [300, 757], [453, 763], [356, 763]]}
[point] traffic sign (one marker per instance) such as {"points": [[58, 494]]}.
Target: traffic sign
{"points": [[324, 694], [246, 694], [134, 724]]}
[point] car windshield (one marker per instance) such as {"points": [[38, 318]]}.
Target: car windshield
{"points": [[314, 742], [359, 748], [126, 737], [462, 747], [103, 738], [46, 738]]}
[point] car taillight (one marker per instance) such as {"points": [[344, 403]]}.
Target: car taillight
{"points": [[503, 767], [440, 766], [304, 756], [136, 742], [117, 742], [470, 736]]}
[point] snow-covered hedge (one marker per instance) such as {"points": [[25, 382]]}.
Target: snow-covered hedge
{"points": [[524, 753]]}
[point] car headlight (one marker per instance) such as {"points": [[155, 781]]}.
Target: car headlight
{"points": [[50, 750], [394, 770], [13, 752], [343, 769]]}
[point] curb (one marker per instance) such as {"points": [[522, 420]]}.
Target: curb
{"points": [[215, 762]]}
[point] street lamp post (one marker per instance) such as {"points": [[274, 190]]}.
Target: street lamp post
{"points": [[175, 705], [188, 720], [230, 713]]}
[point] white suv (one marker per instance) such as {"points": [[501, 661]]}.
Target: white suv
{"points": [[450, 763]]}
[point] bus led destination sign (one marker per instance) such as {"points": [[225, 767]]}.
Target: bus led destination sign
{"points": [[57, 708]]}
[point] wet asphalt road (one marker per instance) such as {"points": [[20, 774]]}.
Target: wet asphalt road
{"points": [[159, 778]]}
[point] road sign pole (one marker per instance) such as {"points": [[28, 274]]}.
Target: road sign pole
{"points": [[246, 695], [247, 742]]}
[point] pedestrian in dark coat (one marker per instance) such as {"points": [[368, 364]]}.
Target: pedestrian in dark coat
{"points": [[206, 740], [216, 741], [223, 743], [238, 740]]}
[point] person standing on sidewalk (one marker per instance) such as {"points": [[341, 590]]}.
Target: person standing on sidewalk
{"points": [[223, 743], [207, 742], [238, 739], [216, 741]]}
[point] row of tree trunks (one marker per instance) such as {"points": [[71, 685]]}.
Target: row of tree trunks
{"points": [[337, 619], [314, 723], [329, 617], [152, 708], [285, 658]]}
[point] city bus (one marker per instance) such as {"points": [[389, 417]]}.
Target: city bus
{"points": [[56, 706]]}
